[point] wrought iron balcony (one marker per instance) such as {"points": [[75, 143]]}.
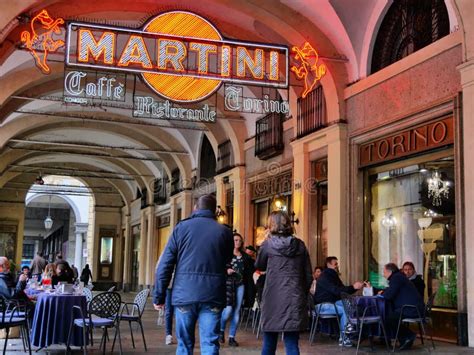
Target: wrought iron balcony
{"points": [[225, 158], [269, 136], [160, 195], [176, 185], [311, 115]]}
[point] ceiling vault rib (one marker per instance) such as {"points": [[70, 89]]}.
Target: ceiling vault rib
{"points": [[89, 145], [68, 192], [102, 119], [60, 185], [90, 154], [75, 175], [79, 170]]}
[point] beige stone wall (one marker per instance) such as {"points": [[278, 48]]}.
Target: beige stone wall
{"points": [[404, 87]]}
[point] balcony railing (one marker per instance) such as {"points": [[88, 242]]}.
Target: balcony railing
{"points": [[269, 136], [176, 185], [311, 115], [160, 195], [225, 159]]}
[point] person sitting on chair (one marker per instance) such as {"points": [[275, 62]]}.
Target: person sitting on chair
{"points": [[408, 269], [329, 289], [400, 292]]}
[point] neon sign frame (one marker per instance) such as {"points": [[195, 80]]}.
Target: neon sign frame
{"points": [[271, 82]]}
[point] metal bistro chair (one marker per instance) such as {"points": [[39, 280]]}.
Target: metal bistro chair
{"points": [[316, 316], [88, 294], [12, 316], [102, 312], [138, 307], [351, 308], [420, 320]]}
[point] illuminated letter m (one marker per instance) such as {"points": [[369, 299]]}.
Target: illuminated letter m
{"points": [[103, 47]]}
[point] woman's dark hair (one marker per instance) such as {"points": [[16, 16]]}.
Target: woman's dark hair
{"points": [[241, 249], [392, 267], [279, 223], [318, 268], [329, 260], [409, 263]]}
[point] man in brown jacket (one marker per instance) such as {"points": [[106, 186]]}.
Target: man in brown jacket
{"points": [[37, 265]]}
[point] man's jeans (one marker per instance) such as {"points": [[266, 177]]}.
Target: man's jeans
{"points": [[209, 316], [234, 311], [329, 309], [270, 340], [169, 312]]}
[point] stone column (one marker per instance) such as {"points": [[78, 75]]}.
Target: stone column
{"points": [[220, 190], [467, 131], [187, 203], [143, 246], [301, 175], [238, 179], [337, 194], [127, 263], [151, 247], [80, 230]]}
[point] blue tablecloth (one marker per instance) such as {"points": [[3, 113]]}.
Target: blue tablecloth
{"points": [[367, 301], [380, 310], [52, 319]]}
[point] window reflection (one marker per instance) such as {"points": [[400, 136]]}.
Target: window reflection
{"points": [[106, 248], [413, 219]]}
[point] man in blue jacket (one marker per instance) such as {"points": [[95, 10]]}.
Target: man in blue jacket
{"points": [[199, 248], [400, 292]]}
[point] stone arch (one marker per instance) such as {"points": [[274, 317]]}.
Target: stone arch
{"points": [[71, 203]]}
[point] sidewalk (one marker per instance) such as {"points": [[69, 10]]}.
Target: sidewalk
{"points": [[155, 338]]}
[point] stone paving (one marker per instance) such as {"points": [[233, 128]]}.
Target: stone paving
{"points": [[155, 339]]}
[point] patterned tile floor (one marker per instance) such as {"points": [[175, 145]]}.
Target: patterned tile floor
{"points": [[248, 343]]}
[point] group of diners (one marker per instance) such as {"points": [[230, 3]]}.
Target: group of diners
{"points": [[405, 287]]}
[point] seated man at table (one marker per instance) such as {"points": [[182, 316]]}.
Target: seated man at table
{"points": [[329, 289], [400, 292], [408, 269], [8, 288]]}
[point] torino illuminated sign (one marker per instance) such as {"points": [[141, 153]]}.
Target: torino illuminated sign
{"points": [[180, 55]]}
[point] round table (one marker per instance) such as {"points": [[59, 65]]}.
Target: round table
{"points": [[52, 319], [378, 310]]}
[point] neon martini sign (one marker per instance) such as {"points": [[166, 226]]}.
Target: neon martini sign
{"points": [[180, 56]]}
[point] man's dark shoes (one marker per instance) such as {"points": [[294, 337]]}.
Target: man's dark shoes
{"points": [[221, 338], [407, 343], [232, 342]]}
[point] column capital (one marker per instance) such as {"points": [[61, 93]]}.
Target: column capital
{"points": [[467, 73], [81, 227]]}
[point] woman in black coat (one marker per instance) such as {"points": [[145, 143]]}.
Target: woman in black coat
{"points": [[239, 274], [288, 280]]}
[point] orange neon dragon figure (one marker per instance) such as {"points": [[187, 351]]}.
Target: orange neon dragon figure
{"points": [[309, 69], [40, 42]]}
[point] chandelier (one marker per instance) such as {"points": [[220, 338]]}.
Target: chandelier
{"points": [[388, 221], [437, 188]]}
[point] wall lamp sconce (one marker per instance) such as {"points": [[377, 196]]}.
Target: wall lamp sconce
{"points": [[220, 215], [279, 203], [292, 218]]}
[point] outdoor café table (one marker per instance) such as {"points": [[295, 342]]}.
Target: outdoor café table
{"points": [[52, 319], [369, 301]]}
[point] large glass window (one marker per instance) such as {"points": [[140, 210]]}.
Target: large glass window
{"points": [[412, 218]]}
